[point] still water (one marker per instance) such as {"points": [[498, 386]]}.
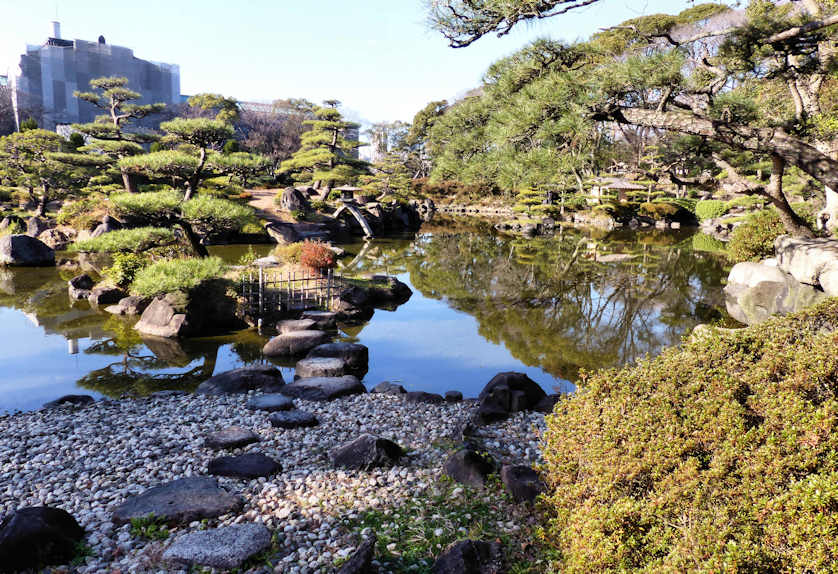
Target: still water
{"points": [[482, 303]]}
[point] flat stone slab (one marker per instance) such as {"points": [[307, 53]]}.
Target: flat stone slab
{"points": [[423, 397], [270, 402], [226, 547], [231, 437], [292, 325], [324, 388], [366, 452], [293, 419], [356, 356], [259, 377], [320, 367], [250, 465], [180, 502], [294, 343], [388, 388], [322, 319]]}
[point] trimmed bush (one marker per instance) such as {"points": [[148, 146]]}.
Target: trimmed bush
{"points": [[754, 239], [289, 253], [138, 239], [176, 275], [718, 456], [316, 255], [658, 210], [217, 213], [150, 204], [125, 268], [710, 209]]}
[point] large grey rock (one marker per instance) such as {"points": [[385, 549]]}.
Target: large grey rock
{"points": [[54, 239], [24, 251], [423, 397], [505, 394], [270, 402], [293, 419], [162, 319], [361, 560], [468, 467], [522, 482], [453, 397], [107, 225], [291, 325], [74, 400], [355, 355], [231, 437], [38, 536], [470, 557], [320, 367], [324, 388], [755, 292], [388, 388], [810, 261], [250, 465], [180, 502], [132, 305], [79, 287], [293, 199], [324, 320], [106, 295], [366, 452], [36, 225], [258, 377], [224, 548], [294, 343]]}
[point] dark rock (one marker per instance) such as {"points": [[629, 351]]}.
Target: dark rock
{"points": [[250, 465], [270, 402], [222, 548], [162, 319], [167, 394], [348, 313], [24, 251], [231, 437], [320, 367], [423, 397], [74, 400], [388, 388], [282, 233], [293, 419], [294, 343], [128, 306], [180, 502], [256, 378], [394, 292], [54, 238], [522, 482], [547, 404], [292, 325], [108, 224], [355, 355], [453, 396], [324, 320], [207, 308], [361, 560], [293, 199], [356, 296], [79, 287], [324, 388], [366, 452], [35, 226], [106, 295], [505, 394], [470, 557], [38, 536], [468, 467]]}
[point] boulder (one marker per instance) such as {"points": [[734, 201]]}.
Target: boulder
{"points": [[282, 233], [180, 502], [132, 305], [162, 319], [366, 452], [320, 367], [231, 437], [355, 355], [348, 313], [470, 557], [270, 402], [291, 325], [108, 224], [294, 343], [810, 261], [388, 388], [323, 320], [223, 548], [453, 396], [324, 388], [250, 465], [269, 261], [293, 419], [106, 295], [547, 404], [505, 394], [72, 400], [423, 397], [24, 251], [293, 199], [468, 467], [79, 287], [361, 560], [38, 536], [35, 226], [207, 308], [388, 292], [55, 239], [522, 482], [265, 378]]}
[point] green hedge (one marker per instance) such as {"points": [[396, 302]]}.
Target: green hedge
{"points": [[176, 275], [754, 239], [716, 456], [710, 209], [138, 239]]}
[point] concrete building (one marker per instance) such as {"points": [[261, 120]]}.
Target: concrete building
{"points": [[49, 74]]}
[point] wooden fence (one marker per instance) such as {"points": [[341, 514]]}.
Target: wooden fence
{"points": [[268, 292]]}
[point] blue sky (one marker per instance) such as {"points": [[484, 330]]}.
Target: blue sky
{"points": [[377, 56]]}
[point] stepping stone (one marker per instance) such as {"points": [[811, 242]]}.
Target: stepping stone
{"points": [[259, 377], [388, 388], [250, 465], [366, 452], [231, 437], [324, 388], [73, 400], [270, 402], [468, 467], [293, 419], [225, 548], [423, 397], [323, 319], [355, 355], [292, 325], [294, 343], [320, 367], [180, 502]]}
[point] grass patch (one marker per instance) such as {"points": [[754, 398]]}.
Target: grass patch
{"points": [[176, 275], [149, 528], [122, 240]]}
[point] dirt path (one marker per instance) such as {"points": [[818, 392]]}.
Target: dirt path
{"points": [[263, 203]]}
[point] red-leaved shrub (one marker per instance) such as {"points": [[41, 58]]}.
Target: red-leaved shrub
{"points": [[316, 255]]}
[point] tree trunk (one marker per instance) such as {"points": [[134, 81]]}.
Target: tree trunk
{"points": [[42, 204], [194, 240], [793, 223], [195, 178], [129, 182]]}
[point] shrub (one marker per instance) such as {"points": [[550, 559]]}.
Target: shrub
{"points": [[754, 239], [718, 456], [316, 255], [125, 268], [82, 214], [14, 228], [217, 213], [289, 253], [658, 210], [703, 242], [318, 205], [176, 275], [138, 239], [710, 209], [6, 192], [299, 214], [149, 204]]}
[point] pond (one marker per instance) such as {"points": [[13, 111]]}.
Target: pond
{"points": [[482, 303]]}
